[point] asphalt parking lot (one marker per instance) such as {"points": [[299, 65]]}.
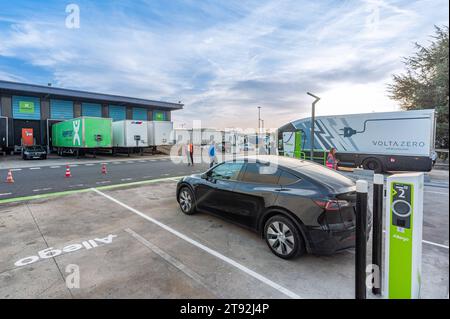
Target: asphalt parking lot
{"points": [[134, 242]]}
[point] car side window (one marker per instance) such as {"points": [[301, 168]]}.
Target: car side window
{"points": [[287, 178], [227, 171], [261, 174]]}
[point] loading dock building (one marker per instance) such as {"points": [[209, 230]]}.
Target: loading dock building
{"points": [[27, 111]]}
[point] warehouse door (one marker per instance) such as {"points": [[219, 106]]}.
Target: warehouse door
{"points": [[26, 131], [3, 133], [117, 112]]}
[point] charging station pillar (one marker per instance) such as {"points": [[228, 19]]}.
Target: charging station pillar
{"points": [[403, 245]]}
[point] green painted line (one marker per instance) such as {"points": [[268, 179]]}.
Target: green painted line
{"points": [[84, 190], [25, 198], [137, 183]]}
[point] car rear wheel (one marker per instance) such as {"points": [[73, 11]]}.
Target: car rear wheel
{"points": [[186, 201], [283, 237]]}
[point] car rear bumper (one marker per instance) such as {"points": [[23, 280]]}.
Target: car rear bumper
{"points": [[328, 242]]}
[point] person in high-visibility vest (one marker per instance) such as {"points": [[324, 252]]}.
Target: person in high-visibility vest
{"points": [[191, 152], [331, 159]]}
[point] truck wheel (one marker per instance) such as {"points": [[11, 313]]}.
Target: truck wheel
{"points": [[373, 164]]}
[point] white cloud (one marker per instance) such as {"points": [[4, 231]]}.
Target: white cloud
{"points": [[269, 54]]}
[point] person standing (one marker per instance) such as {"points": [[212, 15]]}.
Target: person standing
{"points": [[187, 153], [331, 159], [191, 153], [212, 154]]}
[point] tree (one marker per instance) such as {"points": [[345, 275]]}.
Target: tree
{"points": [[425, 83]]}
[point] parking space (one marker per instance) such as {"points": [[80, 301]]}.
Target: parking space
{"points": [[134, 242]]}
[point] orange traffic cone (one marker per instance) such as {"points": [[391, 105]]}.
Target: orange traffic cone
{"points": [[68, 174], [104, 171], [9, 178]]}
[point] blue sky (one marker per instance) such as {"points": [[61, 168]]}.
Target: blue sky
{"points": [[222, 59]]}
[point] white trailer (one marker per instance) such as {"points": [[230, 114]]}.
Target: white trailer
{"points": [[388, 141], [160, 133], [129, 136]]}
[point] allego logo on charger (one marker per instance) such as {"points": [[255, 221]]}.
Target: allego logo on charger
{"points": [[52, 252]]}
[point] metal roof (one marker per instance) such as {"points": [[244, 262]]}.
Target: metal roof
{"points": [[76, 94]]}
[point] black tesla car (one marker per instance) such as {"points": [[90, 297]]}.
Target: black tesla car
{"points": [[297, 206]]}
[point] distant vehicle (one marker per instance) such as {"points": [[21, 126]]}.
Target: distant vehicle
{"points": [[388, 141], [248, 147], [34, 152], [297, 206]]}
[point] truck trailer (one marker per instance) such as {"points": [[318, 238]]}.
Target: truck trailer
{"points": [[159, 133], [388, 141], [129, 136], [82, 134]]}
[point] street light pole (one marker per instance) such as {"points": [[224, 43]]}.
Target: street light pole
{"points": [[313, 119], [259, 129]]}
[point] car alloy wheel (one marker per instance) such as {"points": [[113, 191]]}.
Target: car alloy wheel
{"points": [[283, 237], [186, 200], [280, 238]]}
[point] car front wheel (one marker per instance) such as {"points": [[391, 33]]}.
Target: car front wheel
{"points": [[283, 237], [186, 200]]}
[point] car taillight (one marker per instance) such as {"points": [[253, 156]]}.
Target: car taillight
{"points": [[332, 204]]}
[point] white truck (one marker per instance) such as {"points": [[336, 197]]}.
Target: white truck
{"points": [[129, 136], [388, 141]]}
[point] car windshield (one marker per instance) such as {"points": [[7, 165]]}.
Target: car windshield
{"points": [[326, 176]]}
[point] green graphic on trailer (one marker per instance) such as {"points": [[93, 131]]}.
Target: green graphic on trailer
{"points": [[401, 240], [298, 144], [83, 132], [26, 107]]}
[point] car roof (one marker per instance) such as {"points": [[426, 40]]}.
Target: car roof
{"points": [[275, 159]]}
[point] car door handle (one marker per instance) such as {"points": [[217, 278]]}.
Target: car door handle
{"points": [[282, 189]]}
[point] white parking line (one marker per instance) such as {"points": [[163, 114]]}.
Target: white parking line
{"points": [[5, 194], [35, 168], [89, 164], [55, 166], [171, 260], [126, 179], [77, 185], [42, 189], [429, 242], [103, 182], [73, 165], [442, 193], [434, 244], [15, 169], [226, 259]]}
